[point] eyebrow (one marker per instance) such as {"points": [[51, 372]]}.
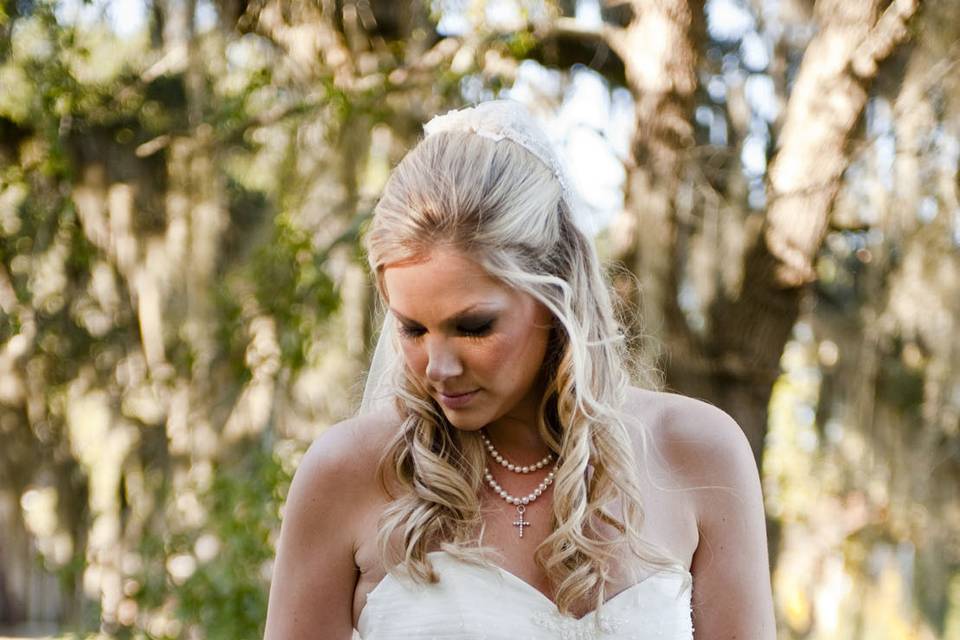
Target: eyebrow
{"points": [[460, 315]]}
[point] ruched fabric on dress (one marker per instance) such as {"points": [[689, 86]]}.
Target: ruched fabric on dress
{"points": [[473, 603]]}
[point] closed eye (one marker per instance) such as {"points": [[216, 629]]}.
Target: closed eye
{"points": [[410, 331], [477, 330], [473, 330]]}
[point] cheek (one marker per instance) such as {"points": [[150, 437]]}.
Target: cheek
{"points": [[494, 357], [535, 348], [415, 358], [524, 351]]}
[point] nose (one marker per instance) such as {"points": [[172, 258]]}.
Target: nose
{"points": [[443, 362]]}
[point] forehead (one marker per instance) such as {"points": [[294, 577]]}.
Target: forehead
{"points": [[442, 282]]}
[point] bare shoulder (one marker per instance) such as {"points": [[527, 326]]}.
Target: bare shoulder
{"points": [[686, 427], [706, 451], [333, 490], [701, 450], [699, 442], [346, 455]]}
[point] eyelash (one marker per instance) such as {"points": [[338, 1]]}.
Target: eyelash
{"points": [[412, 333], [409, 332], [478, 332]]}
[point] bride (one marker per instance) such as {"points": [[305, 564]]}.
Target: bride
{"points": [[503, 480]]}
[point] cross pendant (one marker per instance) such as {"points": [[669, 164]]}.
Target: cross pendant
{"points": [[520, 522]]}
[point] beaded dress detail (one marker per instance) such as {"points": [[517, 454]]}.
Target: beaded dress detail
{"points": [[474, 602]]}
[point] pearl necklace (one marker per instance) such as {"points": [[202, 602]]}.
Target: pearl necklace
{"points": [[519, 502], [496, 455]]}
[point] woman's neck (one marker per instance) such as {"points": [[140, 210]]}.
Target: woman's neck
{"points": [[518, 439], [516, 435]]}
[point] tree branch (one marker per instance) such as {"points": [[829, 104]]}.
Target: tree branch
{"points": [[828, 99], [890, 31]]}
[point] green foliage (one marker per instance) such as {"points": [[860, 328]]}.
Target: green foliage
{"points": [[901, 387], [226, 596], [521, 43], [76, 103], [293, 286]]}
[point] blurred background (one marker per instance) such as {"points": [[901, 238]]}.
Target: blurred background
{"points": [[184, 305]]}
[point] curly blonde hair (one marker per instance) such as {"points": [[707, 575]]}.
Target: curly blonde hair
{"points": [[497, 203]]}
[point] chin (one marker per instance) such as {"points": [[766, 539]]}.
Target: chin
{"points": [[465, 422], [471, 418]]}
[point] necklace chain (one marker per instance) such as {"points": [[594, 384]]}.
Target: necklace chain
{"points": [[515, 500], [520, 502], [510, 466]]}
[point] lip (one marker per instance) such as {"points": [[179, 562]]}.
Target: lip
{"points": [[457, 400]]}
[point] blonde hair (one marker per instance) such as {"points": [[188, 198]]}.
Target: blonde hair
{"points": [[500, 205]]}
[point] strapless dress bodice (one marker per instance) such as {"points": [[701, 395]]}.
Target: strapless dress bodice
{"points": [[479, 602]]}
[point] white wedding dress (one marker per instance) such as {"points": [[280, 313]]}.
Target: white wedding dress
{"points": [[472, 603]]}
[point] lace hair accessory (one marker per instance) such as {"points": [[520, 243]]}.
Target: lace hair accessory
{"points": [[510, 120], [496, 120]]}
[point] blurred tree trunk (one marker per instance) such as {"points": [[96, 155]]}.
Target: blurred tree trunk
{"points": [[734, 359], [660, 51], [751, 329], [753, 294]]}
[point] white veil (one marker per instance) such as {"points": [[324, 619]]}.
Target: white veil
{"points": [[496, 120]]}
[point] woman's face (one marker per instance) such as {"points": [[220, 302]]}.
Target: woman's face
{"points": [[474, 342]]}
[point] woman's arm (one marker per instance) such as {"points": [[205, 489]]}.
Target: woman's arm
{"points": [[732, 596], [314, 575]]}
